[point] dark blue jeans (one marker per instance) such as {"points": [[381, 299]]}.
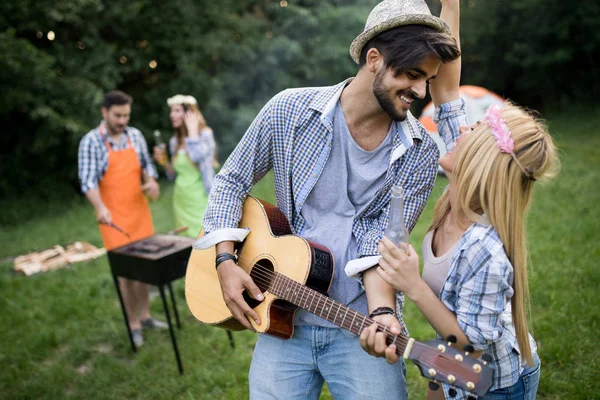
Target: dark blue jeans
{"points": [[525, 388]]}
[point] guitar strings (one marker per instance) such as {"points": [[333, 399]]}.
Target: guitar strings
{"points": [[303, 294], [267, 277]]}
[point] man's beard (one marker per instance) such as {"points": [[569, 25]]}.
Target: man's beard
{"points": [[114, 129], [384, 100]]}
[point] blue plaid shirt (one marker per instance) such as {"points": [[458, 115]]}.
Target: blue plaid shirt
{"points": [[292, 135], [93, 155], [478, 286], [478, 289]]}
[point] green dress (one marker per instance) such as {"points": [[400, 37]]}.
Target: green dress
{"points": [[189, 197]]}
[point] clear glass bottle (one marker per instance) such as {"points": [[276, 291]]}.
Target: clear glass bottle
{"points": [[158, 142], [396, 230], [158, 139]]}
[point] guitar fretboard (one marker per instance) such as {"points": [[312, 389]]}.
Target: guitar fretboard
{"points": [[328, 309]]}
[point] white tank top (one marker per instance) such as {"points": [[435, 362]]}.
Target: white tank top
{"points": [[435, 269]]}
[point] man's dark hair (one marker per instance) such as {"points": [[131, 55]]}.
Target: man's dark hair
{"points": [[116, 98], [407, 46]]}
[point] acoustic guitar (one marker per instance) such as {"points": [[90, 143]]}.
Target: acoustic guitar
{"points": [[294, 272]]}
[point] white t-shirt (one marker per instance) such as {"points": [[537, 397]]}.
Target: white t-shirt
{"points": [[435, 269]]}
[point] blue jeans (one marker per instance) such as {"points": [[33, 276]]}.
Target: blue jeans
{"points": [[525, 388], [296, 368]]}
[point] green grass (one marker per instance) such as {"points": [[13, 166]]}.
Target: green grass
{"points": [[62, 334]]}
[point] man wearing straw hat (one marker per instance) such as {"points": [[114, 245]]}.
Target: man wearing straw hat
{"points": [[336, 152]]}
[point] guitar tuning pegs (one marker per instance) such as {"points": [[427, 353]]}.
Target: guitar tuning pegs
{"points": [[486, 358], [468, 349], [433, 385], [452, 392], [451, 339]]}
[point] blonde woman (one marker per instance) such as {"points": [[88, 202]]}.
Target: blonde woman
{"points": [[474, 281], [192, 151]]}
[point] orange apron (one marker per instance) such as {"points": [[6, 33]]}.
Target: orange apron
{"points": [[121, 192]]}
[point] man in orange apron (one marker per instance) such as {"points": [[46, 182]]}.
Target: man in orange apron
{"points": [[116, 171]]}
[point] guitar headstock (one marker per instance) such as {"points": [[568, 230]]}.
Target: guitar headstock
{"points": [[442, 363]]}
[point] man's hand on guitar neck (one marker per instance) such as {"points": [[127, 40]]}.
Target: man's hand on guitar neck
{"points": [[374, 342], [234, 281]]}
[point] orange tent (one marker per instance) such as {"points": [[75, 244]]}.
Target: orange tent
{"points": [[478, 100]]}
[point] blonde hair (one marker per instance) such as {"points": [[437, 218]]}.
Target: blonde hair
{"points": [[490, 182]]}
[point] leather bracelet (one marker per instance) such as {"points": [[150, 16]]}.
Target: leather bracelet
{"points": [[224, 257], [382, 311]]}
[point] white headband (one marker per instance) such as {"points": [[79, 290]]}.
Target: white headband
{"points": [[181, 99]]}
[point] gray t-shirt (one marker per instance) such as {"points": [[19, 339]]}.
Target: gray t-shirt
{"points": [[349, 180]]}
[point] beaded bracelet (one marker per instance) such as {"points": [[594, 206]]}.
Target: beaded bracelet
{"points": [[382, 311], [224, 257]]}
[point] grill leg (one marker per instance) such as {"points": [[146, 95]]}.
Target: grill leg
{"points": [[231, 339], [171, 331], [125, 316], [174, 306]]}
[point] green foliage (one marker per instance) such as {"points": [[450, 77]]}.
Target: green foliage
{"points": [[540, 53], [233, 56]]}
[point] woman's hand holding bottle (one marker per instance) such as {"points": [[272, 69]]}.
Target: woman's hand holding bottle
{"points": [[160, 150], [160, 155]]}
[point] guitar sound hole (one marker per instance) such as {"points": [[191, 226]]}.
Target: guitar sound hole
{"points": [[263, 275]]}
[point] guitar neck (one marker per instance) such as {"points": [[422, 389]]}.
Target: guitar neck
{"points": [[330, 310]]}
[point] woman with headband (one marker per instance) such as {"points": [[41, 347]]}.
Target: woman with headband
{"points": [[192, 150]]}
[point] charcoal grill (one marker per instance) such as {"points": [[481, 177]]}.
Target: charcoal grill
{"points": [[156, 260]]}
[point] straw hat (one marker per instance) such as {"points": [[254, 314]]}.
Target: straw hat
{"points": [[394, 13]]}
